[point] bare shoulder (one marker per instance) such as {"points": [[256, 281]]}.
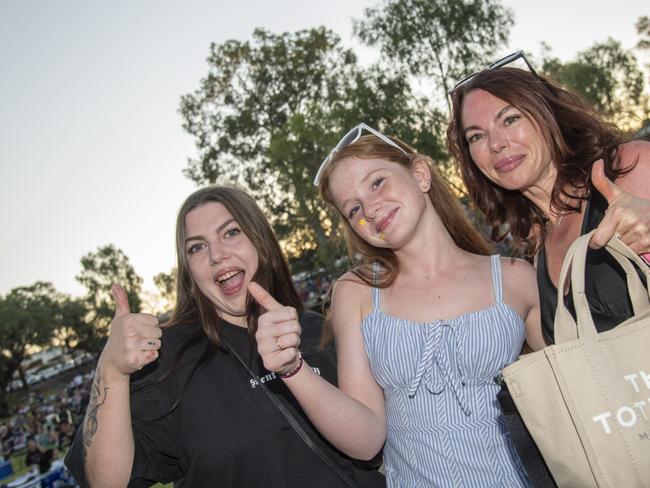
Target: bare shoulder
{"points": [[519, 277], [635, 158], [351, 299], [516, 265], [349, 286]]}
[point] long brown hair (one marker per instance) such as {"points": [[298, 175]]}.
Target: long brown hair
{"points": [[576, 136], [272, 272], [445, 203]]}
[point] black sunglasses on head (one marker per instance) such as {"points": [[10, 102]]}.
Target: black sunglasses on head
{"points": [[499, 63]]}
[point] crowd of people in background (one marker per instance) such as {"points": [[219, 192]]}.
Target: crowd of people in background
{"points": [[45, 426], [313, 288]]}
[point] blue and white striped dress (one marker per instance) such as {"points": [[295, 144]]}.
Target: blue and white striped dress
{"points": [[444, 426]]}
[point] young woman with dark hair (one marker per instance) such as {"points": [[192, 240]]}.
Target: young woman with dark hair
{"points": [[423, 324], [546, 168], [174, 403]]}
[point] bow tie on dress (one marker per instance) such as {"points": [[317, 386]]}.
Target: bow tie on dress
{"points": [[435, 355]]}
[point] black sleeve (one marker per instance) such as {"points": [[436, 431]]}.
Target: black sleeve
{"points": [[156, 452], [316, 355], [155, 457]]}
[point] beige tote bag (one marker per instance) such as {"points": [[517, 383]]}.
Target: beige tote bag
{"points": [[586, 399]]}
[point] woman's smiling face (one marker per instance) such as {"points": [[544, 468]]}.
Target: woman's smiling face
{"points": [[221, 258], [505, 144]]}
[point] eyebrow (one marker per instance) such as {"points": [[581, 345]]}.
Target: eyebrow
{"points": [[497, 117], [365, 178], [502, 111], [219, 229]]}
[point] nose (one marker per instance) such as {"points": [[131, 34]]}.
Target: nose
{"points": [[217, 254], [498, 141], [371, 207]]}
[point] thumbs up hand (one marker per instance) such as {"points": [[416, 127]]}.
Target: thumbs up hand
{"points": [[627, 216], [134, 338], [278, 332]]}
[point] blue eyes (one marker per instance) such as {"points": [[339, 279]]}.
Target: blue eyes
{"points": [[509, 120], [229, 233], [232, 232], [194, 248]]}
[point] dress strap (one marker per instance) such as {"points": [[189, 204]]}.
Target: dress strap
{"points": [[375, 289], [497, 281]]}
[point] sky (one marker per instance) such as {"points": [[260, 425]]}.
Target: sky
{"points": [[91, 143]]}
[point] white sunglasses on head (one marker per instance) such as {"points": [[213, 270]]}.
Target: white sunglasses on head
{"points": [[499, 63], [350, 138]]}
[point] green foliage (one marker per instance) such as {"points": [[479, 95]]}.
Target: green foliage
{"points": [[72, 328], [27, 318], [607, 75], [269, 111], [643, 29], [166, 283], [442, 40], [99, 270]]}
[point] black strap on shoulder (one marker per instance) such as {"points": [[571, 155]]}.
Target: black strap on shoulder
{"points": [[294, 423]]}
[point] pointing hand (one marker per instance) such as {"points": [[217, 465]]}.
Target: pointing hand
{"points": [[278, 332]]}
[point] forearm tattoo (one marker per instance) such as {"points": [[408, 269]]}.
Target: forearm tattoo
{"points": [[98, 394]]}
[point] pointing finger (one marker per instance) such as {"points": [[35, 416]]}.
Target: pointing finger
{"points": [[263, 297]]}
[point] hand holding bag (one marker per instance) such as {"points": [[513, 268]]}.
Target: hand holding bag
{"points": [[586, 399]]}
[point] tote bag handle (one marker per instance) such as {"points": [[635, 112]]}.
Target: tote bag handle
{"points": [[566, 328]]}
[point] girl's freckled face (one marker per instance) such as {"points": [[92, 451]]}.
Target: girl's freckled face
{"points": [[381, 200]]}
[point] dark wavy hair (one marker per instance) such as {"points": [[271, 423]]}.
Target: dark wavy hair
{"points": [[272, 272], [445, 203], [576, 136]]}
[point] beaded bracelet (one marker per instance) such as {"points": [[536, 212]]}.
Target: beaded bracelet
{"points": [[294, 370]]}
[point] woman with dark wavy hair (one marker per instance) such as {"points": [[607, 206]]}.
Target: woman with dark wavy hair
{"points": [[546, 168], [178, 403]]}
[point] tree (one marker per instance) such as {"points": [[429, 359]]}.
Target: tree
{"points": [[72, 328], [27, 318], [269, 111], [166, 284], [442, 40], [608, 76], [99, 270], [643, 29], [5, 378]]}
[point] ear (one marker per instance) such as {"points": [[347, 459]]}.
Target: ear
{"points": [[422, 173]]}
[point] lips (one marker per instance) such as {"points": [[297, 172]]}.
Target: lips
{"points": [[508, 164], [230, 280], [385, 222]]}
